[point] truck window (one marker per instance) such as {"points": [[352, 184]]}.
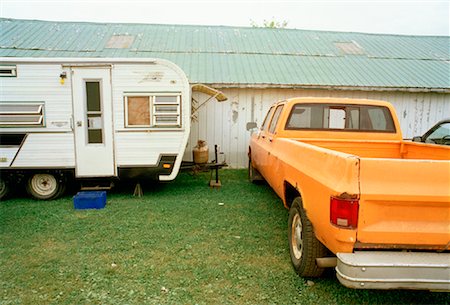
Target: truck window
{"points": [[378, 118], [267, 118], [275, 118], [345, 117]]}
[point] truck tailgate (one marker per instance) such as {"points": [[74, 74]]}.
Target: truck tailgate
{"points": [[404, 204]]}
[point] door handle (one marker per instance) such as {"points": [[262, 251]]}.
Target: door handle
{"points": [[79, 123]]}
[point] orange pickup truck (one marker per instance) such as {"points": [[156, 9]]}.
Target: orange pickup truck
{"points": [[360, 199]]}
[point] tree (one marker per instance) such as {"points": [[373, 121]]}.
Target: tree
{"points": [[272, 24]]}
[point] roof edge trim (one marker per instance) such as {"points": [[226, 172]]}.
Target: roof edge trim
{"points": [[327, 87]]}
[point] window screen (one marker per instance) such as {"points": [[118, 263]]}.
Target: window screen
{"points": [[153, 110], [21, 114], [166, 110]]}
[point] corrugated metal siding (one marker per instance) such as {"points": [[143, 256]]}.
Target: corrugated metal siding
{"points": [[236, 56], [225, 123]]}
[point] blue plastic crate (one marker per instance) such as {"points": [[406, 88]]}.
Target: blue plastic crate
{"points": [[89, 200]]}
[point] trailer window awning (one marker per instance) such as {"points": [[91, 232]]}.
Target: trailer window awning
{"points": [[214, 93]]}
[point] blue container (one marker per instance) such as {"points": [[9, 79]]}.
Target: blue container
{"points": [[89, 200]]}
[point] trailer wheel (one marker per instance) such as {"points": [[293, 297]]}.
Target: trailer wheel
{"points": [[4, 188], [303, 245], [44, 186]]}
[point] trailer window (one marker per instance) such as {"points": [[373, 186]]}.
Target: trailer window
{"points": [[138, 111], [21, 114], [94, 112], [8, 71], [162, 110], [166, 110], [342, 117]]}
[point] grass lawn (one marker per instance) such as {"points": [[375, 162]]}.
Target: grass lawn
{"points": [[174, 245]]}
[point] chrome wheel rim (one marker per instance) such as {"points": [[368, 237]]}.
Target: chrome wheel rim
{"points": [[296, 236], [44, 184]]}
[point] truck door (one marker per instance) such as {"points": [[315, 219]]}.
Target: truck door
{"points": [[93, 129], [257, 149], [271, 161]]}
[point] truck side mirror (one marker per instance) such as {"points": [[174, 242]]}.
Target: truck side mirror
{"points": [[251, 125], [417, 139]]}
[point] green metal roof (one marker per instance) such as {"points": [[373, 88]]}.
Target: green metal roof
{"points": [[237, 56]]}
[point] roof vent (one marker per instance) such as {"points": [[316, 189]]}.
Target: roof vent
{"points": [[349, 48], [120, 42]]}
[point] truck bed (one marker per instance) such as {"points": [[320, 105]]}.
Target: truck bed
{"points": [[384, 149], [404, 192]]}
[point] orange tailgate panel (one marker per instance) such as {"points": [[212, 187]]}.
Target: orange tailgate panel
{"points": [[404, 203]]}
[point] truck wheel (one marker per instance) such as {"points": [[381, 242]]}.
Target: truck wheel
{"points": [[44, 186], [253, 174], [4, 188], [303, 245]]}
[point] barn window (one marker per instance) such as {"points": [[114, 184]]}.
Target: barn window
{"points": [[120, 42], [162, 110], [21, 114], [8, 71]]}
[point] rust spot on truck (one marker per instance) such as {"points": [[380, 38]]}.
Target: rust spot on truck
{"points": [[406, 247], [346, 195]]}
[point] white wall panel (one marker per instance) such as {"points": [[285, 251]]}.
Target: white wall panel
{"points": [[225, 123], [144, 148], [46, 150], [41, 83]]}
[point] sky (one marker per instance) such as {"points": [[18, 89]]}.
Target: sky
{"points": [[430, 17]]}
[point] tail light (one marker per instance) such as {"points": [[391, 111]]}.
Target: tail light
{"points": [[344, 212]]}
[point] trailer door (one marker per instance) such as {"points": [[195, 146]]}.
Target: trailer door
{"points": [[92, 112]]}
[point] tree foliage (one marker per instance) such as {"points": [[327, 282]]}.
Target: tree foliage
{"points": [[272, 24]]}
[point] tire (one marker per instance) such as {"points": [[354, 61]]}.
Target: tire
{"points": [[303, 245], [45, 186], [253, 175], [4, 188], [62, 187]]}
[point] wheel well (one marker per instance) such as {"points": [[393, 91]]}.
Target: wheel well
{"points": [[20, 175], [290, 192]]}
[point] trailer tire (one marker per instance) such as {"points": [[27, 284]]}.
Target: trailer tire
{"points": [[45, 186], [4, 188], [304, 247]]}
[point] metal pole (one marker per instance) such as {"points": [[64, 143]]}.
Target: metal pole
{"points": [[217, 162]]}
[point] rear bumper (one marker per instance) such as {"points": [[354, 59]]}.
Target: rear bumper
{"points": [[394, 270]]}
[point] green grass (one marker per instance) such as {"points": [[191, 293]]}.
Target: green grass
{"points": [[178, 237]]}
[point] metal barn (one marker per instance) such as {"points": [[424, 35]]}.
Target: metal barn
{"points": [[255, 67]]}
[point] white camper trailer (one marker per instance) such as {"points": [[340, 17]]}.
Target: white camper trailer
{"points": [[89, 119]]}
